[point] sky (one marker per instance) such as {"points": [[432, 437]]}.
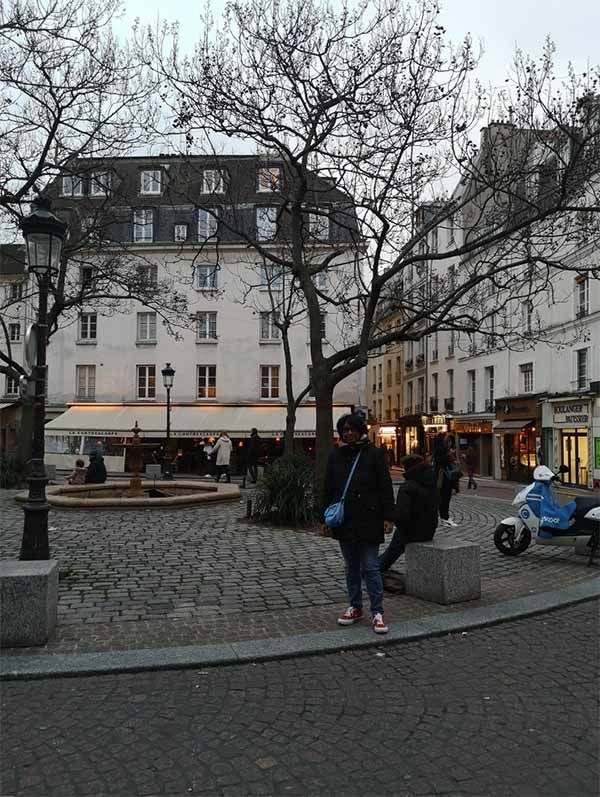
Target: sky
{"points": [[501, 25]]}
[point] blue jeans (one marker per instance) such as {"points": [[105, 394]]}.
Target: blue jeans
{"points": [[394, 550], [361, 558]]}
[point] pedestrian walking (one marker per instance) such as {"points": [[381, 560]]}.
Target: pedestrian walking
{"points": [[445, 475], [253, 455], [471, 463], [417, 506], [358, 468], [222, 450], [96, 470], [455, 458], [77, 476]]}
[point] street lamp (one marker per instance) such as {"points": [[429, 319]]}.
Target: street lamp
{"points": [[44, 235], [168, 375]]}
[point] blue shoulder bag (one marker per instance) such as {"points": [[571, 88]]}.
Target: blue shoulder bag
{"points": [[334, 514]]}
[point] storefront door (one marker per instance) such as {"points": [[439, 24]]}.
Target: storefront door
{"points": [[575, 456]]}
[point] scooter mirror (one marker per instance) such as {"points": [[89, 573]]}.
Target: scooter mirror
{"points": [[563, 469]]}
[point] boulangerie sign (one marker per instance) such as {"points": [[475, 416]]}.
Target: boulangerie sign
{"points": [[575, 413]]}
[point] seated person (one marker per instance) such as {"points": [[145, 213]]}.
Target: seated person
{"points": [[96, 472], [78, 474], [416, 509]]}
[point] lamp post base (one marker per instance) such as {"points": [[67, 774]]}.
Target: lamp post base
{"points": [[34, 543]]}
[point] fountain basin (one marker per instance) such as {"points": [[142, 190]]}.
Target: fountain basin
{"points": [[118, 494]]}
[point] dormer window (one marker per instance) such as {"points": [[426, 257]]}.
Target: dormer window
{"points": [[180, 232], [319, 226], [213, 181], [72, 185], [151, 181], [269, 179], [208, 222], [100, 184]]}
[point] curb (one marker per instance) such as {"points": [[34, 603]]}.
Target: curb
{"points": [[14, 668]]}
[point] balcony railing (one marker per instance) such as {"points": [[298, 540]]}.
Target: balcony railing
{"points": [[380, 387], [374, 388], [490, 405], [582, 312], [398, 377], [418, 407], [470, 406], [434, 355], [433, 403], [449, 404], [450, 351], [420, 359], [408, 364]]}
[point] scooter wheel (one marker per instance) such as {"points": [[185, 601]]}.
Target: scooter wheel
{"points": [[505, 542]]}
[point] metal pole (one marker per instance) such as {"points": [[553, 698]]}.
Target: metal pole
{"points": [[167, 469], [34, 544]]}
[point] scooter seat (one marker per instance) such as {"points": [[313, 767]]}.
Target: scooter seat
{"points": [[583, 504]]}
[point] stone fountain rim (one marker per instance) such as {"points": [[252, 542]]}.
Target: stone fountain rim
{"points": [[207, 493]]}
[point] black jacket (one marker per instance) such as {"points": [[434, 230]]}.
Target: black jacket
{"points": [[253, 449], [96, 472], [417, 504], [370, 497]]}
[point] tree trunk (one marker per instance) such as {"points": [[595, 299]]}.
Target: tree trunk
{"points": [[324, 434], [290, 427], [290, 418]]}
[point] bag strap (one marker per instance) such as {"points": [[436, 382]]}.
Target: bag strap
{"points": [[350, 475]]}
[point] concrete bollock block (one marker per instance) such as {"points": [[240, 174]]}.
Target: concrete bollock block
{"points": [[443, 571], [28, 602]]}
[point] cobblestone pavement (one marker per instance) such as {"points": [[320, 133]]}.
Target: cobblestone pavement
{"points": [[507, 711], [143, 579]]}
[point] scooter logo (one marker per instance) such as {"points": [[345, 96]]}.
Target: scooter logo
{"points": [[550, 521], [525, 513]]}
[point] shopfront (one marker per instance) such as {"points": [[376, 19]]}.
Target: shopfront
{"points": [[411, 435], [476, 434], [568, 423], [518, 439]]}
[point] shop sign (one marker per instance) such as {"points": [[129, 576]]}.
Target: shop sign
{"points": [[483, 427], [573, 414]]}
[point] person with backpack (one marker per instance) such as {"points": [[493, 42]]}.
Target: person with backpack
{"points": [[446, 474], [417, 505], [358, 478]]}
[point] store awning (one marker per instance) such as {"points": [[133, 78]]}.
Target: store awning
{"points": [[4, 406], [198, 421], [513, 426]]}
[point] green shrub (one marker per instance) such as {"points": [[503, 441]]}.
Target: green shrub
{"points": [[285, 493], [12, 473]]}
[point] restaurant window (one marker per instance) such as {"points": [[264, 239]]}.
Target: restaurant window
{"points": [[146, 382], [207, 381]]}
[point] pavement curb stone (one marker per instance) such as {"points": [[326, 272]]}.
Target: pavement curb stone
{"points": [[88, 664]]}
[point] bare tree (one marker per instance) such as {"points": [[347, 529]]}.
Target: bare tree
{"points": [[377, 103]]}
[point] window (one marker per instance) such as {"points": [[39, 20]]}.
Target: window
{"points": [[451, 345], [319, 226], [150, 181], [100, 183], [86, 382], [435, 346], [434, 387], [146, 327], [88, 324], [388, 413], [207, 381], [147, 276], [582, 297], [146, 382], [398, 405], [420, 394], [450, 375], [12, 386], [527, 377], [207, 276], [271, 276], [582, 369], [489, 388], [323, 325], [14, 333], [180, 232], [269, 381], [434, 240], [15, 291], [208, 221], [527, 311], [374, 379], [374, 409], [452, 277], [143, 225], [321, 279], [268, 327], [471, 388], [491, 338], [213, 181], [266, 223], [380, 379], [72, 185], [398, 370], [388, 373], [409, 398], [206, 325], [86, 275], [451, 228], [269, 179]]}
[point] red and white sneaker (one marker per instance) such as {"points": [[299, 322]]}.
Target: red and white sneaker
{"points": [[350, 616], [379, 625]]}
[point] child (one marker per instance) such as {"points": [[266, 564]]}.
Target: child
{"points": [[78, 475]]}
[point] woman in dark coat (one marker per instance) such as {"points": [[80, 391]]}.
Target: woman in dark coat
{"points": [[443, 457], [368, 513], [416, 509], [96, 472]]}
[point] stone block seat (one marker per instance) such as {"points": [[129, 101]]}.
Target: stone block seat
{"points": [[28, 602], [443, 571]]}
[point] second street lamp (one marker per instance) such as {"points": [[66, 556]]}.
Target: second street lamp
{"points": [[44, 235], [168, 375]]}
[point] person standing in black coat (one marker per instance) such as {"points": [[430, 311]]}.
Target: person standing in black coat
{"points": [[416, 509], [368, 514], [253, 455]]}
